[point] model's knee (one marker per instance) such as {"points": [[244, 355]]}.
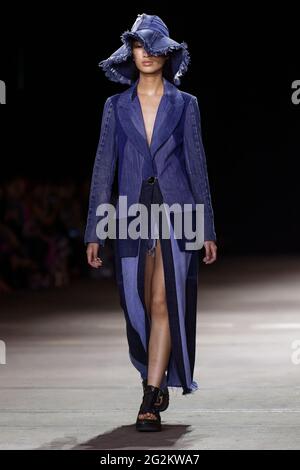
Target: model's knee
{"points": [[159, 307]]}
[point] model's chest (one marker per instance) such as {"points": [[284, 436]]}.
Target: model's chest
{"points": [[149, 107]]}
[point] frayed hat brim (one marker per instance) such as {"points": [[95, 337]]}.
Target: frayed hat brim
{"points": [[119, 67]]}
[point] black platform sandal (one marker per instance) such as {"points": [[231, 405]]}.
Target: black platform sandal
{"points": [[163, 398], [149, 423]]}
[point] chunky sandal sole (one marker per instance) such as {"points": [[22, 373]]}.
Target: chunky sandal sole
{"points": [[147, 426]]}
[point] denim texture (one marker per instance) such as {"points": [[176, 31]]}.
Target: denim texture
{"points": [[176, 155]]}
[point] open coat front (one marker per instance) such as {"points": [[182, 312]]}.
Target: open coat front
{"points": [[177, 159]]}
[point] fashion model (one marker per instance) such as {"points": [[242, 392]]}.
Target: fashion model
{"points": [[152, 133]]}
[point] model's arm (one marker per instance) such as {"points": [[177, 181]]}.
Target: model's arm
{"points": [[103, 173], [197, 168]]}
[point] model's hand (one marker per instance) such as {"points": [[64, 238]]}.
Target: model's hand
{"points": [[92, 255], [210, 252]]}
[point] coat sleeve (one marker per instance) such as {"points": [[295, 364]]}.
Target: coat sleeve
{"points": [[103, 172], [195, 160]]}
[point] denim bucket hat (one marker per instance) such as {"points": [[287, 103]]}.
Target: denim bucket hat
{"points": [[153, 33]]}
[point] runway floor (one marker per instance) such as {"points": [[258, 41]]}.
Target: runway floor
{"points": [[68, 382]]}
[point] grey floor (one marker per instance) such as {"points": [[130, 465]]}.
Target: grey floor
{"points": [[68, 382]]}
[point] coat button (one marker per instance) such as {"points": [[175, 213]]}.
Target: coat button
{"points": [[151, 179]]}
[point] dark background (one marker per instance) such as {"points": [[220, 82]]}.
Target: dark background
{"points": [[243, 63]]}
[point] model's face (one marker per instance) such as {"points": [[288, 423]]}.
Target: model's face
{"points": [[144, 61]]}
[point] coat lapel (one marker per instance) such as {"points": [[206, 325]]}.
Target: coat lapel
{"points": [[168, 114]]}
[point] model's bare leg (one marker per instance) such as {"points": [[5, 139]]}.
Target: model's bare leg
{"points": [[160, 339]]}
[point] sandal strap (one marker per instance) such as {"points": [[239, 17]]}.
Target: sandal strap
{"points": [[150, 397]]}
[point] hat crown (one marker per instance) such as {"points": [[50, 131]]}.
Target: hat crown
{"points": [[152, 22], [153, 33]]}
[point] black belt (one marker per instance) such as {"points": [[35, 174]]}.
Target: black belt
{"points": [[151, 179]]}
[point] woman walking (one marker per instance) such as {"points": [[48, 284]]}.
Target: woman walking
{"points": [[152, 132]]}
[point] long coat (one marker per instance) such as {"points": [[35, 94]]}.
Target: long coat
{"points": [[176, 157]]}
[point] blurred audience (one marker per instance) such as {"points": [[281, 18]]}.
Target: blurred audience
{"points": [[41, 235]]}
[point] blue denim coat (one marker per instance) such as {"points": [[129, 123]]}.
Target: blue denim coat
{"points": [[175, 156]]}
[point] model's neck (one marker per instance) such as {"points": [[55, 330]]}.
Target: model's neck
{"points": [[150, 84]]}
